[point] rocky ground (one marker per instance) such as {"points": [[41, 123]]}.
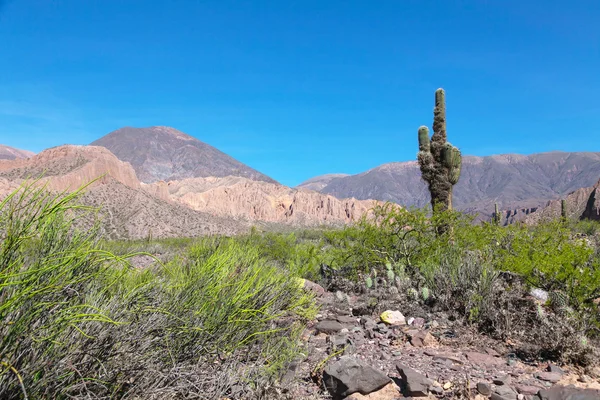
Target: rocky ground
{"points": [[357, 352]]}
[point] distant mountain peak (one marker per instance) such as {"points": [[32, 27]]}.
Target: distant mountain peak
{"points": [[163, 153]]}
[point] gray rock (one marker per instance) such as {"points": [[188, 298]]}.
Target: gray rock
{"points": [[346, 319], [555, 369], [484, 388], [350, 375], [315, 288], [503, 380], [567, 393], [329, 327], [416, 385], [552, 377], [504, 393]]}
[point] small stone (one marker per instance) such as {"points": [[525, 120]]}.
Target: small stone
{"points": [[520, 397], [422, 339], [484, 388], [419, 322], [503, 380], [315, 288], [344, 331], [329, 327], [552, 377], [448, 386], [528, 390], [555, 369], [584, 379], [492, 352], [435, 324], [393, 318], [410, 321]]}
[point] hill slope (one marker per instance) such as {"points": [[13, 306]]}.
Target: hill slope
{"points": [[10, 153], [511, 180], [162, 153]]}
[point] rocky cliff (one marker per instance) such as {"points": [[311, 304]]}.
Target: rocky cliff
{"points": [[261, 201]]}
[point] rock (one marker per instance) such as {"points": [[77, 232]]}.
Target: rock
{"points": [[504, 393], [539, 294], [419, 322], [422, 339], [567, 393], [484, 388], [436, 390], [447, 386], [416, 385], [350, 375], [329, 327], [346, 319], [552, 377], [393, 318], [528, 390], [443, 356], [555, 369], [483, 359], [367, 323], [492, 352], [503, 380], [315, 288], [389, 392], [338, 341]]}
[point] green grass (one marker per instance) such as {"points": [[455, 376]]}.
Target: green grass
{"points": [[77, 321]]}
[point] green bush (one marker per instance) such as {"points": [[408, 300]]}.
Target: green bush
{"points": [[78, 321]]}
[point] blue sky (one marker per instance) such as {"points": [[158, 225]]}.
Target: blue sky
{"points": [[301, 88]]}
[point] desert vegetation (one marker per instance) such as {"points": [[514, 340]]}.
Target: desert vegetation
{"points": [[219, 316]]}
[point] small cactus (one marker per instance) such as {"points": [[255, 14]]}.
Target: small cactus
{"points": [[425, 294], [369, 282], [413, 294], [390, 272]]}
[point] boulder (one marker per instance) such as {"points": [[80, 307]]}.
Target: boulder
{"points": [[349, 375], [567, 393], [416, 384]]}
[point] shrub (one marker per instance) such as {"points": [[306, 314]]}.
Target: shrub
{"points": [[77, 321]]}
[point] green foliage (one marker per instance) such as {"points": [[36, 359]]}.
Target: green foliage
{"points": [[76, 321]]}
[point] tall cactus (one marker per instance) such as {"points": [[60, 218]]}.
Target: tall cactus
{"points": [[563, 209], [496, 218], [440, 162]]}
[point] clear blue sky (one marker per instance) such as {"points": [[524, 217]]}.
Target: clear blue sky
{"points": [[301, 88]]}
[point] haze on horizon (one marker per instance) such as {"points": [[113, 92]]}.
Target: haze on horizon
{"points": [[299, 89]]}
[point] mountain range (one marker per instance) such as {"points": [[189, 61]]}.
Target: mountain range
{"points": [[161, 182], [513, 181]]}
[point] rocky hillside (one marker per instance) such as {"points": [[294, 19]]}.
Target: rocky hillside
{"points": [[582, 203], [318, 183], [162, 153], [260, 201], [513, 181], [188, 207], [10, 153]]}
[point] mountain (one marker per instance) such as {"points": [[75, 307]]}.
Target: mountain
{"points": [[319, 182], [511, 180], [162, 153], [131, 209], [583, 203], [10, 153]]}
